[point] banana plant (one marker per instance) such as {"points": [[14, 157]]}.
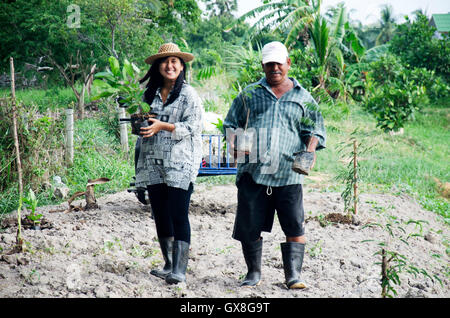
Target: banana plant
{"points": [[122, 84]]}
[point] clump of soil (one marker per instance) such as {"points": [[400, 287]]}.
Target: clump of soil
{"points": [[332, 218], [339, 218], [25, 222]]}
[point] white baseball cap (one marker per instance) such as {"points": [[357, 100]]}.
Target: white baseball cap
{"points": [[274, 52]]}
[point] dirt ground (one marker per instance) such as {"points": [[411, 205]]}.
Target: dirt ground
{"points": [[108, 252]]}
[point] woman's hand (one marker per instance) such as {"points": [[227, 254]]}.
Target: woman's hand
{"points": [[155, 127]]}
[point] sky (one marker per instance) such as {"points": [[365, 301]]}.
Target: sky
{"points": [[368, 11]]}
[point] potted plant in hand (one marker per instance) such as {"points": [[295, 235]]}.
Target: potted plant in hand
{"points": [[244, 140], [123, 85]]}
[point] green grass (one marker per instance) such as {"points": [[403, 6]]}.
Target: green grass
{"points": [[50, 99], [98, 155], [407, 163], [215, 180]]}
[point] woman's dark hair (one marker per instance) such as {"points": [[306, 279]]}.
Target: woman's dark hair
{"points": [[156, 81]]}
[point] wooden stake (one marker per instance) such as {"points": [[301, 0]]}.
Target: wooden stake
{"points": [[384, 268]]}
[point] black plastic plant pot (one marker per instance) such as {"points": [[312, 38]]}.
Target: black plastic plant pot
{"points": [[121, 101], [303, 162], [138, 121]]}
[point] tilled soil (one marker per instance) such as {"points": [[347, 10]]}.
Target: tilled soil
{"points": [[109, 252]]}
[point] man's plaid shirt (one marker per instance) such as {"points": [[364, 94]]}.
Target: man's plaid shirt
{"points": [[281, 126]]}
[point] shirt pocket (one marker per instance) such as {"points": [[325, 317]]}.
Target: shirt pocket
{"points": [[292, 113]]}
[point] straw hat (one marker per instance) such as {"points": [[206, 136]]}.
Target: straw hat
{"points": [[169, 49]]}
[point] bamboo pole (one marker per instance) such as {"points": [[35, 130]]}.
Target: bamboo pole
{"points": [[15, 135], [69, 136], [19, 240]]}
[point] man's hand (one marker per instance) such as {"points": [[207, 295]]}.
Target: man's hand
{"points": [[232, 149], [311, 146]]}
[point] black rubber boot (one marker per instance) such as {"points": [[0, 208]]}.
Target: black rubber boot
{"points": [[292, 253], [252, 254], [180, 257], [166, 244]]}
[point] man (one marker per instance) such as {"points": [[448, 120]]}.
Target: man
{"points": [[275, 109]]}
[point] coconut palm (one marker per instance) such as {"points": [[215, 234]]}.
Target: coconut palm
{"points": [[221, 7], [327, 43], [291, 17], [387, 25]]}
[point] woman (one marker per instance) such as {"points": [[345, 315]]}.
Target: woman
{"points": [[170, 155]]}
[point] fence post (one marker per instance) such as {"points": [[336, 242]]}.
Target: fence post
{"points": [[69, 136], [123, 131]]}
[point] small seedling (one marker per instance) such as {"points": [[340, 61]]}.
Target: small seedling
{"points": [[392, 262], [225, 250], [351, 175], [31, 203], [19, 240], [316, 250]]}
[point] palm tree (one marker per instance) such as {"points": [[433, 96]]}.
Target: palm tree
{"points": [[292, 17], [387, 25], [327, 43], [221, 7]]}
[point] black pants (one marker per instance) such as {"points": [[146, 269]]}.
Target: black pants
{"points": [[257, 205], [170, 209]]}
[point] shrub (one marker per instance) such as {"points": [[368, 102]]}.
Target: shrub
{"points": [[394, 94], [415, 45], [394, 104], [435, 86], [40, 142], [302, 68]]}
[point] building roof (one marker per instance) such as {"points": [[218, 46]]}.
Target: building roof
{"points": [[441, 21]]}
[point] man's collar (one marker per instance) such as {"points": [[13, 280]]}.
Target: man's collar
{"points": [[264, 83]]}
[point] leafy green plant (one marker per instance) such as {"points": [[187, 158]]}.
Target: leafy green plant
{"points": [[393, 96], [435, 86], [414, 42], [31, 203], [392, 262], [394, 104], [350, 151], [245, 64], [123, 84]]}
